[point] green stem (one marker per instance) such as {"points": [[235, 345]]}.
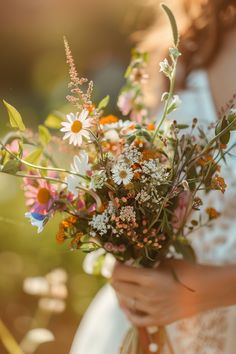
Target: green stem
{"points": [[167, 102], [8, 340], [41, 177], [37, 167]]}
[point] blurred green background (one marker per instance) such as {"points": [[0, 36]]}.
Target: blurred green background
{"points": [[33, 78]]}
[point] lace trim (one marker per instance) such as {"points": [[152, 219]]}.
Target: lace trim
{"points": [[201, 334]]}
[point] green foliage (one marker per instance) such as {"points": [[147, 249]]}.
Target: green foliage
{"points": [[89, 247], [103, 103], [14, 117], [173, 24], [223, 124], [44, 135], [97, 267], [34, 156], [53, 120], [11, 167], [182, 246]]}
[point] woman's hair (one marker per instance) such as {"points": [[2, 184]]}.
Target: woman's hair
{"points": [[202, 25]]}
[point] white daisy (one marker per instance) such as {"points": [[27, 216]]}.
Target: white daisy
{"points": [[80, 166], [122, 174], [81, 163], [77, 127]]}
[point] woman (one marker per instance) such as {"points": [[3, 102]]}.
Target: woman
{"points": [[203, 321]]}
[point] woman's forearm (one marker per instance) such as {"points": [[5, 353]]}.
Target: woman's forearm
{"points": [[227, 282]]}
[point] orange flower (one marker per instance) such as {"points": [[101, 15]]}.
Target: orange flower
{"points": [[129, 186], [137, 175], [151, 126], [75, 243], [102, 208], [150, 154], [68, 222], [204, 160], [108, 119], [135, 166], [213, 213], [72, 219], [60, 236], [65, 224], [219, 183], [89, 107], [138, 142]]}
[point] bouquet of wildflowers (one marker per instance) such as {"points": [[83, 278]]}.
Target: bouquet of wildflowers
{"points": [[133, 183]]}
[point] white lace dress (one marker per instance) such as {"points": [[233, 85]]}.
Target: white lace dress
{"points": [[213, 332]]}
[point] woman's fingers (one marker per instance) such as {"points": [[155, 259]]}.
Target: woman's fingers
{"points": [[133, 304], [129, 289], [123, 272], [139, 320]]}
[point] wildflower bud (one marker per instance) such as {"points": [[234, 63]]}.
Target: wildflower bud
{"points": [[194, 123], [185, 185], [174, 52], [164, 96], [166, 68]]}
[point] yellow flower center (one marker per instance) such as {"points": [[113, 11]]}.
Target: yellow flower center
{"points": [[123, 174], [43, 196], [76, 126]]}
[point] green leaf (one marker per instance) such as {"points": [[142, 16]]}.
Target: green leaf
{"points": [[183, 247], [11, 167], [182, 126], [224, 139], [54, 120], [128, 71], [232, 118], [34, 156], [98, 265], [147, 135], [89, 247], [173, 24], [103, 103], [44, 135], [14, 117]]}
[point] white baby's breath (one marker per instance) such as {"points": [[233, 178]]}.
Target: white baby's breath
{"points": [[98, 179]]}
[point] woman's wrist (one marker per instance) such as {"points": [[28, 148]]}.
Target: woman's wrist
{"points": [[219, 285], [227, 282]]}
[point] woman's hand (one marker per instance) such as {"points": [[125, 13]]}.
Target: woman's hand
{"points": [[153, 297]]}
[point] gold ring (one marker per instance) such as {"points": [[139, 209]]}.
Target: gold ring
{"points": [[132, 303]]}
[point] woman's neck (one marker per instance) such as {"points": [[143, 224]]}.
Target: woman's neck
{"points": [[222, 72]]}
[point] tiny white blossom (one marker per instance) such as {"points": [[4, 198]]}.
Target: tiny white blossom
{"points": [[100, 222], [166, 68], [131, 153], [98, 179], [157, 172], [174, 104], [127, 214], [142, 196]]}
